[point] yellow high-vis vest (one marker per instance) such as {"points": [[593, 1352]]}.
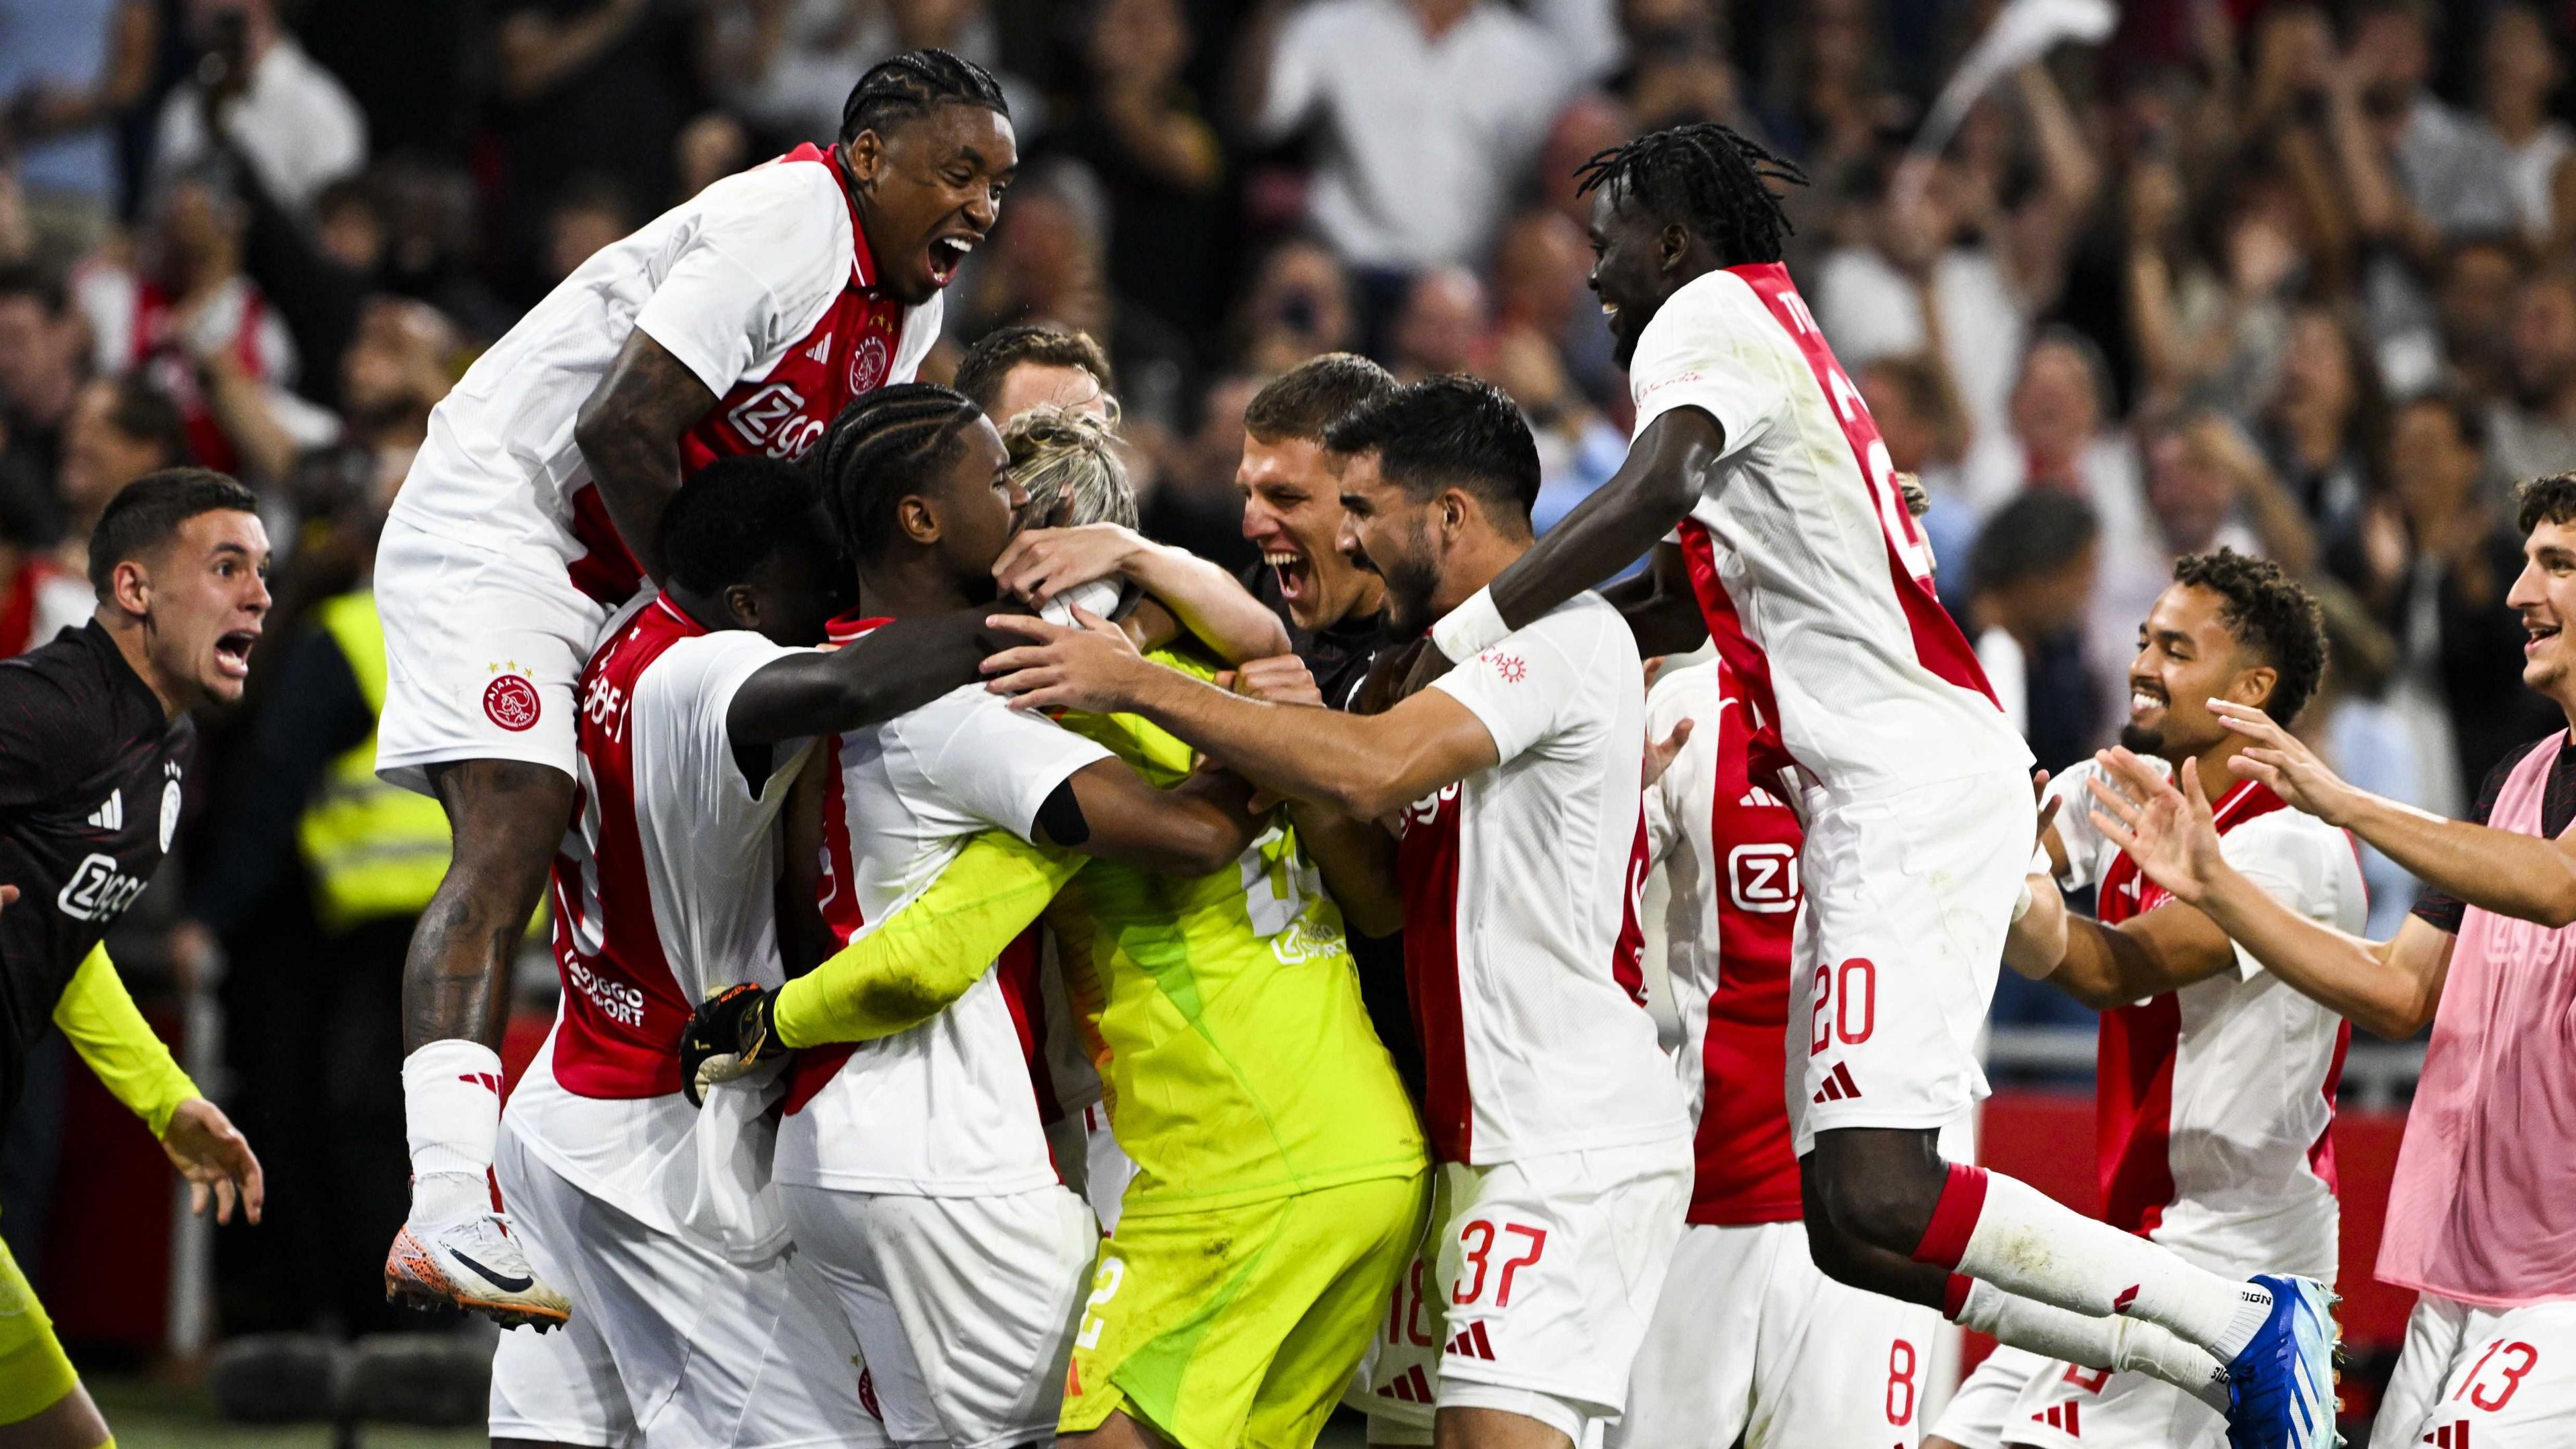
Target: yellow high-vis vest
{"points": [[375, 849]]}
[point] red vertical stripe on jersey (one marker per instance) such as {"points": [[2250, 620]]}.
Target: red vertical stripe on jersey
{"points": [[1752, 667], [1628, 953], [1938, 644], [1426, 867], [623, 1009], [1747, 1167], [2321, 1156], [815, 1067], [2133, 1093]]}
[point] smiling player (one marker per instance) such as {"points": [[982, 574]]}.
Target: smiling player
{"points": [[740, 321]]}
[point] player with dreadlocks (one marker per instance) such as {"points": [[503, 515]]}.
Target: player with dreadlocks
{"points": [[1780, 534], [741, 321]]}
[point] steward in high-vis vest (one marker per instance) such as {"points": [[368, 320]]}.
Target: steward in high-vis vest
{"points": [[375, 850]]}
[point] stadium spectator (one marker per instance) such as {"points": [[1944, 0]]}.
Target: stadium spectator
{"points": [[1159, 161], [2534, 424], [68, 68], [2521, 71], [2474, 299], [1299, 306], [119, 430], [1440, 326], [1919, 420], [2031, 584], [44, 354], [590, 213], [1426, 111], [255, 86], [2319, 428]]}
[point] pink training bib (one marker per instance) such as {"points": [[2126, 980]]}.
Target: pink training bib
{"points": [[2483, 1208]]}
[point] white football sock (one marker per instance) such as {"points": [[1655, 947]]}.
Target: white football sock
{"points": [[2126, 1344], [452, 1115], [2001, 1231]]}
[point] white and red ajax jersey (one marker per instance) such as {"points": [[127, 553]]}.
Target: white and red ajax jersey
{"points": [[1516, 883], [2214, 1102], [1815, 581], [761, 285], [949, 1108], [1728, 847], [663, 892]]}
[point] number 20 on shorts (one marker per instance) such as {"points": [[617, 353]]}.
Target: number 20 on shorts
{"points": [[1846, 1008]]}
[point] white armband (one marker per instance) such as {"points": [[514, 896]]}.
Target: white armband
{"points": [[2021, 903], [1470, 628]]}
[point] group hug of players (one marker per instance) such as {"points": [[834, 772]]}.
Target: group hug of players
{"points": [[844, 929]]}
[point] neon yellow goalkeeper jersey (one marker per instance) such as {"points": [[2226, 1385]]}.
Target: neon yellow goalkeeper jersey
{"points": [[1223, 1014]]}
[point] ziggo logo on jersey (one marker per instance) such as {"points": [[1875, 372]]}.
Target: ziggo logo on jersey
{"points": [[774, 421]]}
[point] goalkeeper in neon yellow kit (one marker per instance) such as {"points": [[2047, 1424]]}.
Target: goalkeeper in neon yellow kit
{"points": [[1281, 1176]]}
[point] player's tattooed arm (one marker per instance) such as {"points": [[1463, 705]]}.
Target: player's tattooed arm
{"points": [[899, 667], [629, 433], [1624, 518], [1660, 606], [1368, 766]]}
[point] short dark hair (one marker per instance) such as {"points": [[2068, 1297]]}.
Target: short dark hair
{"points": [[2468, 420], [1711, 178], [2547, 499], [2034, 534], [737, 514], [19, 280], [1447, 431], [907, 85], [991, 359], [146, 413], [145, 513], [883, 446], [2271, 612], [1304, 402]]}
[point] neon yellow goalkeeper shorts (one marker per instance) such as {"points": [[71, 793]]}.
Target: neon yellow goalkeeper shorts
{"points": [[1240, 1326], [34, 1375]]}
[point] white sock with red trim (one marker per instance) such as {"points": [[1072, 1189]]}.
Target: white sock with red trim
{"points": [[2125, 1344], [452, 1115], [2007, 1233]]}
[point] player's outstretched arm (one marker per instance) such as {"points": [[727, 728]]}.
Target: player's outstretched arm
{"points": [[899, 667], [1619, 523], [2522, 876], [1369, 766], [1109, 812], [2389, 988], [1196, 595], [100, 1020], [629, 433]]}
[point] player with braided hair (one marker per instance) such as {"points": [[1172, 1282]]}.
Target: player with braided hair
{"points": [[739, 322], [1780, 535], [912, 1169]]}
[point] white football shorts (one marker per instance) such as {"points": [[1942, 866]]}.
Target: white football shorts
{"points": [[1750, 1338], [1908, 896], [986, 1292], [2482, 1378], [670, 1343], [483, 650]]}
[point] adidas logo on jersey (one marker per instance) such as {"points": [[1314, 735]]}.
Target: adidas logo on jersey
{"points": [[1761, 799], [1839, 1086], [821, 351], [2449, 1436], [2061, 1416], [1471, 1342], [1410, 1387], [110, 815]]}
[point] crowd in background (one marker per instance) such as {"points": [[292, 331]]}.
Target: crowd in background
{"points": [[2290, 277]]}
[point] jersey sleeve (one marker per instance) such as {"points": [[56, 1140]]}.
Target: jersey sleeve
{"points": [[927, 954], [2087, 853], [1518, 687], [678, 714], [2309, 869], [998, 765], [101, 1022], [1706, 350], [766, 258]]}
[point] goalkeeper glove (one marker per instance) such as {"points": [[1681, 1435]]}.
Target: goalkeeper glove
{"points": [[729, 1036]]}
